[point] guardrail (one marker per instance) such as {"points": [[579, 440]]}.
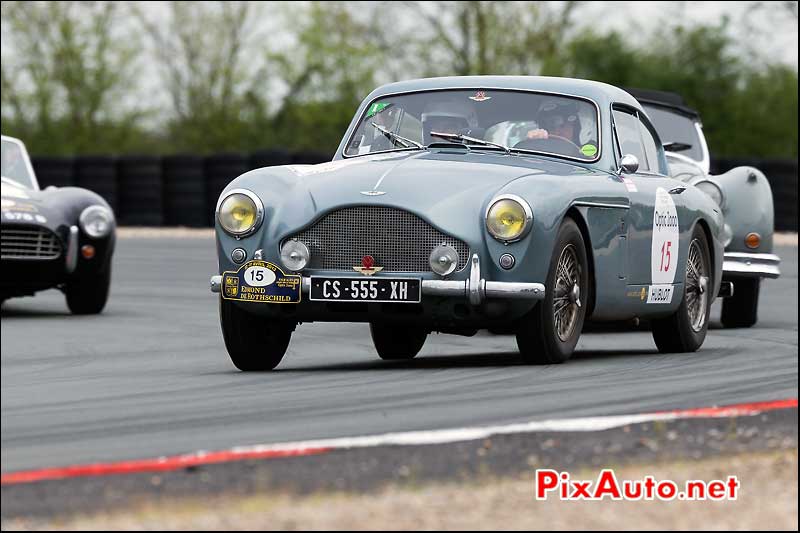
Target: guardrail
{"points": [[182, 190]]}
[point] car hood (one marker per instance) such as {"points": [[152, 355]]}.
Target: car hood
{"points": [[450, 188], [53, 207]]}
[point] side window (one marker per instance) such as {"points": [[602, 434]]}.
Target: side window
{"points": [[650, 148], [629, 136]]}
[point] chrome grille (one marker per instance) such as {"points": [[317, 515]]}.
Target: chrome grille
{"points": [[398, 240], [29, 243]]}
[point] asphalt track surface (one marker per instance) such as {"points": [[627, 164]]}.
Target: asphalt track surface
{"points": [[150, 376]]}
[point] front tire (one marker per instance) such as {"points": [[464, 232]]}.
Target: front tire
{"points": [[254, 343], [395, 343], [550, 332], [88, 295], [685, 330], [741, 309]]}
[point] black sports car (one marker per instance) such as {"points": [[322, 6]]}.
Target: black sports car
{"points": [[58, 237]]}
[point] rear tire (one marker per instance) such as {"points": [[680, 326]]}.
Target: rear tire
{"points": [[88, 295], [741, 309], [685, 330], [254, 343], [547, 336], [397, 343]]}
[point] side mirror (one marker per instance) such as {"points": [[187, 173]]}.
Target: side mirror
{"points": [[629, 164]]}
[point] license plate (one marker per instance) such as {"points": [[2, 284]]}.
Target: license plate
{"points": [[382, 290]]}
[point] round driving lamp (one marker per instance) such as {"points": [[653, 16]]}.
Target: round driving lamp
{"points": [[713, 190], [444, 259], [294, 255], [508, 218], [96, 221], [240, 213]]}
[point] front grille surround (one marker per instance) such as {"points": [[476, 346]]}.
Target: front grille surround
{"points": [[37, 243], [399, 240]]}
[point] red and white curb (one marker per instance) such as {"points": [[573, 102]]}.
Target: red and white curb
{"points": [[408, 438]]}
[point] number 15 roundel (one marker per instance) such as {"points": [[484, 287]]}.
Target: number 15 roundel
{"points": [[664, 251]]}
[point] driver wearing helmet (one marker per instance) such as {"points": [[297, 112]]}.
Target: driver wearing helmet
{"points": [[557, 119], [448, 116]]}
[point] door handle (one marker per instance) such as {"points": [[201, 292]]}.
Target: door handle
{"points": [[677, 190]]}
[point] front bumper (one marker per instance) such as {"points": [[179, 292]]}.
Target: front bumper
{"points": [[475, 289], [752, 265]]}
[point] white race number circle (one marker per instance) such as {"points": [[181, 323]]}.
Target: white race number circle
{"points": [[664, 250], [258, 276]]}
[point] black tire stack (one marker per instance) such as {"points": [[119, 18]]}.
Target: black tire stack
{"points": [[309, 158], [54, 171], [141, 200], [98, 173], [221, 169], [270, 158], [185, 191]]}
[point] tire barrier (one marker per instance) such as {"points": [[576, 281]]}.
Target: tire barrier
{"points": [[184, 191], [54, 171], [270, 158], [220, 170], [140, 191], [782, 177], [309, 158], [98, 173]]}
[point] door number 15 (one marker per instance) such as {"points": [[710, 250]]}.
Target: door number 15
{"points": [[666, 254]]}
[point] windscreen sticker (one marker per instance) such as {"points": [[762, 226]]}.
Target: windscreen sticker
{"points": [[665, 245], [589, 150], [376, 108], [261, 281]]}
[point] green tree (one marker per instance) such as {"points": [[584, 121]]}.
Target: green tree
{"points": [[744, 106], [201, 52], [335, 55], [484, 37], [68, 72]]}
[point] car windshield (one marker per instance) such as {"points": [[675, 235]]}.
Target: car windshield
{"points": [[15, 166], [676, 128], [537, 122]]}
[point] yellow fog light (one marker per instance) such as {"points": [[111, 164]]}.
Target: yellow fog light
{"points": [[508, 218], [240, 212]]}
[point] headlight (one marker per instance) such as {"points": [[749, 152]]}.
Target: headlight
{"points": [[96, 221], [240, 212], [713, 190], [508, 218]]}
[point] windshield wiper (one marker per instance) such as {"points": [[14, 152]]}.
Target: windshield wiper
{"points": [[396, 138], [473, 140]]}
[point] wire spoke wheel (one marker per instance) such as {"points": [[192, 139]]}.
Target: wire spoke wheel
{"points": [[567, 290], [696, 286]]}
